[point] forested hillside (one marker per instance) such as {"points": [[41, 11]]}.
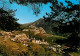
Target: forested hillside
{"points": [[58, 34]]}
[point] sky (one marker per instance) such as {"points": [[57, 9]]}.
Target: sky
{"points": [[25, 13]]}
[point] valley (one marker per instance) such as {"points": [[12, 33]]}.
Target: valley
{"points": [[28, 40]]}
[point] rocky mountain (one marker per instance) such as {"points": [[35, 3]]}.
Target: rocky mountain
{"points": [[36, 30], [52, 25], [47, 26]]}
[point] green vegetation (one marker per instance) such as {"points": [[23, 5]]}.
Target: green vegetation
{"points": [[70, 29], [52, 40], [7, 21], [74, 54], [0, 34], [9, 48], [18, 49]]}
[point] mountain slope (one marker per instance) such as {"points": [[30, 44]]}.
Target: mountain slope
{"points": [[47, 26]]}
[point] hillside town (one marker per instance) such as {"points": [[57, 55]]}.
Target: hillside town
{"points": [[24, 39], [36, 30]]}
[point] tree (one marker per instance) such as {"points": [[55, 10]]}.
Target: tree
{"points": [[68, 20], [36, 4], [66, 17], [7, 21]]}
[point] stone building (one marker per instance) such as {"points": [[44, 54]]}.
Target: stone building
{"points": [[6, 34], [39, 42], [26, 30], [33, 27], [21, 38]]}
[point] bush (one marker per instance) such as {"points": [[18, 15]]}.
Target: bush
{"points": [[0, 34]]}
